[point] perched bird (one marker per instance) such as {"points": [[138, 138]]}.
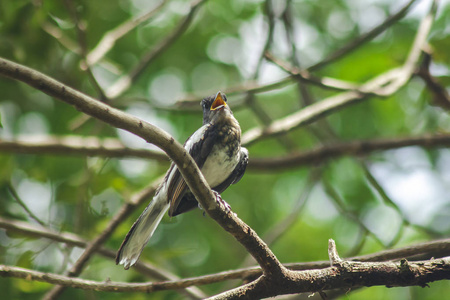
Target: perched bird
{"points": [[216, 148]]}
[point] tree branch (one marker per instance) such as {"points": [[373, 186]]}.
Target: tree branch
{"points": [[272, 268], [111, 37], [249, 98], [275, 276], [438, 248], [124, 82], [345, 274], [356, 43], [383, 85], [273, 272], [441, 96], [356, 148], [111, 147], [189, 101], [306, 77], [277, 230], [145, 268], [92, 247], [77, 145], [16, 197], [427, 250], [80, 28]]}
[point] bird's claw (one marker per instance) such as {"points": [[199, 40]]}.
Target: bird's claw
{"points": [[219, 200]]}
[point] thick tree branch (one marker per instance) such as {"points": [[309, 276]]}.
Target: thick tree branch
{"points": [[439, 248], [345, 274], [427, 250]]}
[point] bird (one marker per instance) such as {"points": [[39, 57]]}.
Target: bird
{"points": [[217, 151]]}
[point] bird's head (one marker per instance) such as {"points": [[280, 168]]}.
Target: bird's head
{"points": [[215, 107]]}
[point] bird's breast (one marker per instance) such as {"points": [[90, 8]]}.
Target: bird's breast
{"points": [[224, 156]]}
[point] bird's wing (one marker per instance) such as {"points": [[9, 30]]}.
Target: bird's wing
{"points": [[237, 173], [199, 145]]}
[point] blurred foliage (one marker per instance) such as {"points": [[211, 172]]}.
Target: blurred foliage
{"points": [[221, 49]]}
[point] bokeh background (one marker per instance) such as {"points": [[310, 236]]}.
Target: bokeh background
{"points": [[386, 199]]}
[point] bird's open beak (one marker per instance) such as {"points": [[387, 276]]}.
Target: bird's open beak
{"points": [[219, 102]]}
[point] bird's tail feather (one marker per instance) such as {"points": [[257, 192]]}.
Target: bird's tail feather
{"points": [[141, 232]]}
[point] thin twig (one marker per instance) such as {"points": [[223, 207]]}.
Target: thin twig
{"points": [[359, 243], [58, 34], [249, 98], [306, 77], [332, 253], [145, 268], [123, 213], [190, 102], [361, 40], [124, 82], [346, 49], [339, 204], [351, 148], [387, 200], [16, 197], [383, 85], [110, 38], [441, 96], [81, 34], [74, 47], [280, 228]]}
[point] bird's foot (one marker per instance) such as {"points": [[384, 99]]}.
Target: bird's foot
{"points": [[221, 201]]}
